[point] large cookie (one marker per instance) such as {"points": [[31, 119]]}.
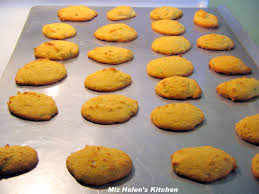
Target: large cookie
{"points": [[205, 19], [168, 27], [58, 31], [202, 164], [121, 13], [109, 109], [40, 72], [32, 106], [255, 165], [166, 12]]}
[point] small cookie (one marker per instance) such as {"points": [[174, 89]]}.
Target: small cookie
{"points": [[205, 19], [121, 13], [168, 27], [169, 66], [178, 87], [229, 65], [202, 164], [40, 72], [78, 13], [216, 42], [57, 50], [116, 33], [248, 129], [177, 116], [170, 45], [17, 159], [107, 80], [33, 106], [58, 31], [109, 109], [239, 89], [97, 165], [166, 12], [255, 165], [111, 55]]}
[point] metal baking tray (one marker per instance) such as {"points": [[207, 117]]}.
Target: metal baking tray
{"points": [[149, 147]]}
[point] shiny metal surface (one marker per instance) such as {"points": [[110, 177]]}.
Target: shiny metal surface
{"points": [[149, 147]]}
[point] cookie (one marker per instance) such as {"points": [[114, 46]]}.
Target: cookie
{"points": [[33, 106], [202, 164], [216, 42], [116, 33], [57, 50], [170, 45], [78, 13], [205, 19], [58, 31], [239, 89], [177, 116], [121, 13], [109, 109], [17, 159], [40, 72], [111, 55], [168, 27], [166, 12], [107, 80], [229, 65], [98, 165], [178, 87], [248, 129], [169, 66], [255, 165]]}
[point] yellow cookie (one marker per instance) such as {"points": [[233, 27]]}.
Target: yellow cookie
{"points": [[205, 19], [169, 66], [40, 72], [78, 13], [97, 165], [229, 65], [248, 129], [121, 13], [215, 42], [17, 159], [202, 164], [166, 12], [239, 89], [168, 27], [109, 109], [32, 106], [111, 55], [170, 45], [107, 80], [255, 165], [58, 31], [57, 50], [178, 87], [116, 33], [177, 116]]}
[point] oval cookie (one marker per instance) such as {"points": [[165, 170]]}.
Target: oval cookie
{"points": [[32, 106], [168, 27], [255, 166], [116, 33], [109, 109], [177, 116], [111, 55], [166, 12], [98, 165], [169, 66], [205, 19], [202, 164], [40, 72], [107, 80], [79, 13], [58, 31], [178, 87], [170, 45], [121, 13], [239, 89], [17, 159], [215, 42], [57, 50]]}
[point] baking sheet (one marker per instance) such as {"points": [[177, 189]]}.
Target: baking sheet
{"points": [[149, 147]]}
